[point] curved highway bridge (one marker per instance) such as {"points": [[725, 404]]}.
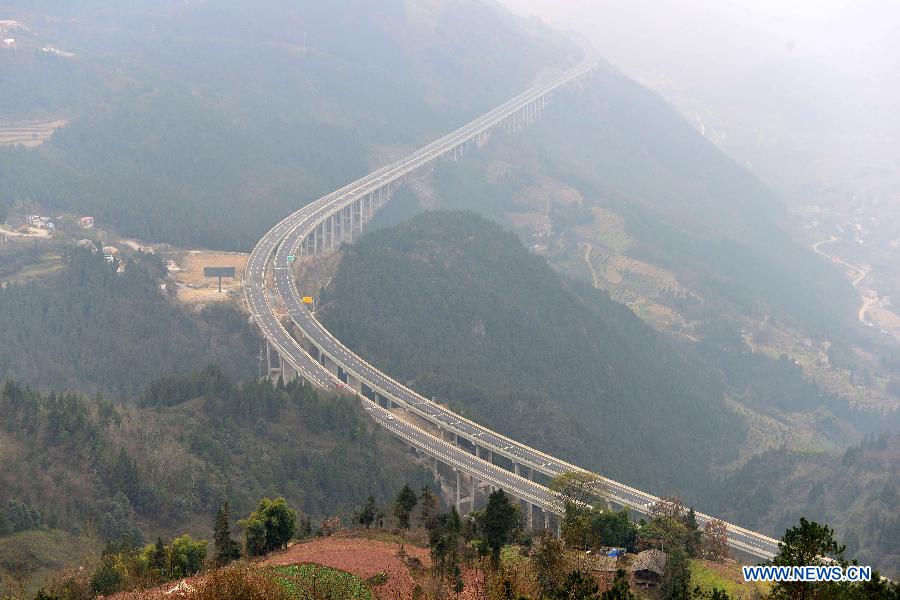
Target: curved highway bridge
{"points": [[478, 456]]}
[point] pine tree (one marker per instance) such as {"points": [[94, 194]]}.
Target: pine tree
{"points": [[368, 513], [404, 505], [497, 523], [694, 536], [158, 557], [226, 549], [429, 503]]}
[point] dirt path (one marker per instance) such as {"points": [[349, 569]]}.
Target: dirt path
{"points": [[588, 248]]}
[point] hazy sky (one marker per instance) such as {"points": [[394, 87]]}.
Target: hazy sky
{"points": [[807, 86]]}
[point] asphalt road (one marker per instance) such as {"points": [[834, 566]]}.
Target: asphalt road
{"points": [[284, 240]]}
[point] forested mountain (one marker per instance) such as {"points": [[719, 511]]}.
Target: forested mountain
{"points": [[79, 472], [856, 491], [204, 123], [93, 328], [684, 207], [459, 309]]}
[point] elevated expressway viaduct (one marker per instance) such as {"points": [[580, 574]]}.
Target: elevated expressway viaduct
{"points": [[477, 455]]}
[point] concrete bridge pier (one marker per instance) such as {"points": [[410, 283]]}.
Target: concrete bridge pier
{"points": [[286, 371], [273, 362], [447, 436], [352, 208], [460, 499], [354, 383]]}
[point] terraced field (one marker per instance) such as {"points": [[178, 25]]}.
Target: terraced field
{"points": [[28, 133]]}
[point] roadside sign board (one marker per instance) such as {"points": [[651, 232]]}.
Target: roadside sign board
{"points": [[291, 258], [218, 271], [307, 299]]}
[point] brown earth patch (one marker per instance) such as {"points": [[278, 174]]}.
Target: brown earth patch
{"points": [[364, 558], [194, 288]]}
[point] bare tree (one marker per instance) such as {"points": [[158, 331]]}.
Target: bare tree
{"points": [[577, 487], [667, 507], [715, 540]]}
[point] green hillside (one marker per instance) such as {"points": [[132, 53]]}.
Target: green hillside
{"points": [[89, 327], [79, 473], [856, 491], [458, 308], [686, 208], [203, 124]]}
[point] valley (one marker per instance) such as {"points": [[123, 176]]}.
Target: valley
{"points": [[579, 270]]}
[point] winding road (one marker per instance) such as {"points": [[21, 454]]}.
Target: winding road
{"points": [[269, 283]]}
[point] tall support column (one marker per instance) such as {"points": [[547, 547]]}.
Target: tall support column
{"points": [[344, 225], [529, 516], [516, 468], [458, 493], [331, 225], [347, 220], [273, 364], [352, 211], [288, 373], [339, 221]]}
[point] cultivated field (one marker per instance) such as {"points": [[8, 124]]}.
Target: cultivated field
{"points": [[28, 133]]}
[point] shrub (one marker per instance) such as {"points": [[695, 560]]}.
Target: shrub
{"points": [[239, 583], [270, 527]]}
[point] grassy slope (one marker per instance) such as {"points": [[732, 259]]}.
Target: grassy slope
{"points": [[30, 557], [728, 577]]}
